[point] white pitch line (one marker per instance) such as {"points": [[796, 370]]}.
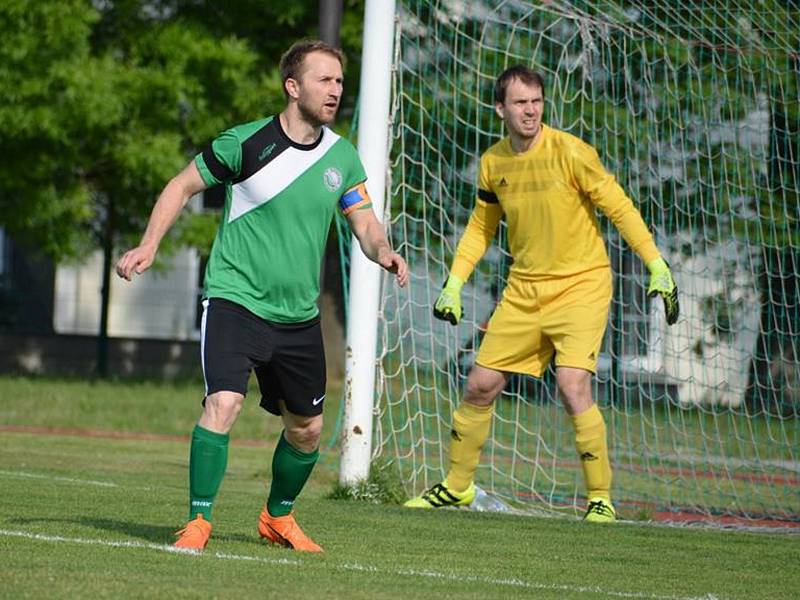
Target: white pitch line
{"points": [[56, 478], [357, 567], [514, 582], [144, 546]]}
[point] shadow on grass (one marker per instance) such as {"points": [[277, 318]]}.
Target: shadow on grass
{"points": [[156, 534]]}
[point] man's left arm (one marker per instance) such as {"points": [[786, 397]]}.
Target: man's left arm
{"points": [[604, 191], [372, 238]]}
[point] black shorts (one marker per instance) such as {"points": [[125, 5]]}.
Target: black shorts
{"points": [[288, 359]]}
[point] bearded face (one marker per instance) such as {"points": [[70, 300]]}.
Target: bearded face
{"points": [[318, 89]]}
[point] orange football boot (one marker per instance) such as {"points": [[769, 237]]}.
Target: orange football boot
{"points": [[286, 532], [195, 535]]}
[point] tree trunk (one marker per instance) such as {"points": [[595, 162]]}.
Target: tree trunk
{"points": [[330, 21], [775, 370], [105, 292], [331, 281], [774, 386]]}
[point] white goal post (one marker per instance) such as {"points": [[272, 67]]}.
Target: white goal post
{"points": [[365, 276]]}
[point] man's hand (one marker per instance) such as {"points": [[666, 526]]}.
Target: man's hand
{"points": [[394, 263], [662, 284], [448, 304], [137, 260]]}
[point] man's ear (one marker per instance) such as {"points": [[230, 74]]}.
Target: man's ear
{"points": [[498, 108], [292, 88]]}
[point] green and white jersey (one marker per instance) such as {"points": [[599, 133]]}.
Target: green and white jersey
{"points": [[280, 199]]}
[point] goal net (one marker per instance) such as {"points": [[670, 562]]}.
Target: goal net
{"points": [[694, 107]]}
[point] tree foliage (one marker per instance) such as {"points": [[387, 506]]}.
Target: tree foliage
{"points": [[102, 102]]}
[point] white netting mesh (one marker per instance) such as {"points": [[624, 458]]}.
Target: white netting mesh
{"points": [[694, 107]]}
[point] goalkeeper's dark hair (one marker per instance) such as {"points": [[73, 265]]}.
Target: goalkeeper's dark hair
{"points": [[291, 65], [524, 74]]}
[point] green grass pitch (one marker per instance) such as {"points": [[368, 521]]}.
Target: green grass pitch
{"points": [[92, 517]]}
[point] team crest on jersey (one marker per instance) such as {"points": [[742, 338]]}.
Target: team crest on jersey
{"points": [[332, 179]]}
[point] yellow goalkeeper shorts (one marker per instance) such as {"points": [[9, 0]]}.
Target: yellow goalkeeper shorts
{"points": [[536, 319]]}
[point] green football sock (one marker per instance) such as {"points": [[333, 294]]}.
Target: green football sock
{"points": [[207, 461], [290, 470]]}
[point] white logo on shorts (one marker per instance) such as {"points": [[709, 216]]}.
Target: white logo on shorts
{"points": [[332, 179], [316, 401]]}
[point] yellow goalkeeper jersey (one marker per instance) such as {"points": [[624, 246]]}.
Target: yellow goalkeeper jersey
{"points": [[549, 194]]}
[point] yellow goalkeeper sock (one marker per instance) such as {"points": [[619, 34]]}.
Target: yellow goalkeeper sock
{"points": [[470, 429], [590, 441]]}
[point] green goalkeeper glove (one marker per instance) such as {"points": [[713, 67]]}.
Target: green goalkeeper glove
{"points": [[662, 284], [448, 304]]}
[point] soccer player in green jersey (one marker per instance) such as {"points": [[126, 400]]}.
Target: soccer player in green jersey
{"points": [[284, 177]]}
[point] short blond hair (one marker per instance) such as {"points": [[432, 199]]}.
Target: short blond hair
{"points": [[292, 60]]}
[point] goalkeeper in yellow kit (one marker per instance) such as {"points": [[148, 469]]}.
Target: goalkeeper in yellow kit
{"points": [[548, 184]]}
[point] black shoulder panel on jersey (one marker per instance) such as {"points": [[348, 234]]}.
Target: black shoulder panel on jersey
{"points": [[487, 196], [217, 169], [261, 148]]}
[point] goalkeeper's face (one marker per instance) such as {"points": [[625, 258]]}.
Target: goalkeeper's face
{"points": [[319, 89], [522, 109]]}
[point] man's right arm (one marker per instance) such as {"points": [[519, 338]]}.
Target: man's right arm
{"points": [[476, 239], [474, 242], [170, 202]]}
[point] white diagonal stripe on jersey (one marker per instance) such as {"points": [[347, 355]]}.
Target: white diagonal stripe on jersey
{"points": [[276, 176]]}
